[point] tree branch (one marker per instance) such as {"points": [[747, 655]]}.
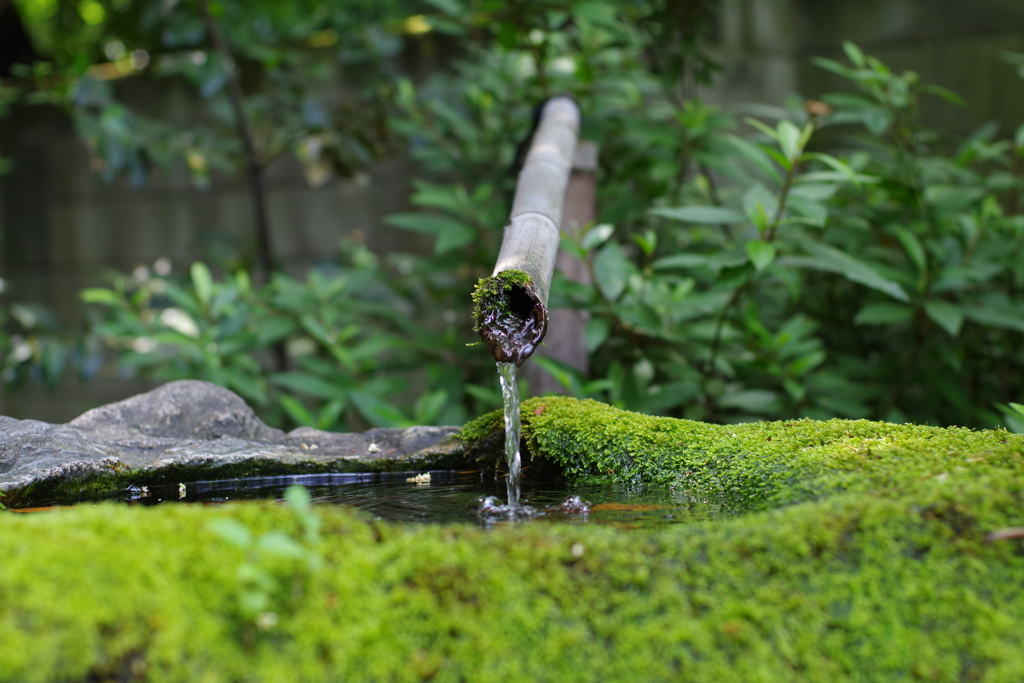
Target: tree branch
{"points": [[253, 162]]}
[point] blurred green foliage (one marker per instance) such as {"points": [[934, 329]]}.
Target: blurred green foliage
{"points": [[749, 272], [881, 281], [264, 590], [284, 54], [834, 257], [353, 343], [34, 346]]}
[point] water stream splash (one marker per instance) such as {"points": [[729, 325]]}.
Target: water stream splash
{"points": [[513, 429], [491, 508]]}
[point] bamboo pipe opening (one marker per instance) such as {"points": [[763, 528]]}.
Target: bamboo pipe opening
{"points": [[511, 305]]}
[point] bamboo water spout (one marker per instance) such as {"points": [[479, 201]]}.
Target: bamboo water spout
{"points": [[511, 312]]}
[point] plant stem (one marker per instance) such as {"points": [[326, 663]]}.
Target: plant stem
{"points": [[253, 162], [714, 196], [1017, 171], [719, 323], [769, 234]]}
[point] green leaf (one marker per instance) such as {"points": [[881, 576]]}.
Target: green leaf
{"points": [[648, 242], [883, 313], [760, 205], [761, 253], [455, 238], [789, 137], [597, 236], [831, 259], [561, 372], [243, 283], [994, 317], [281, 544], [309, 385], [767, 130], [437, 196], [428, 223], [681, 261], [795, 389], [429, 406], [451, 233], [757, 156], [244, 383], [1014, 416], [805, 364], [877, 121], [232, 531], [814, 192], [202, 281], [833, 66], [452, 8], [273, 330], [751, 400], [379, 412], [854, 54], [328, 416], [298, 498], [610, 270], [944, 93], [297, 411], [946, 315], [952, 197], [806, 211], [844, 170], [912, 245], [596, 332], [99, 295], [705, 215]]}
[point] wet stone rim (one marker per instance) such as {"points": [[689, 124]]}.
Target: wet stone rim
{"points": [[186, 431]]}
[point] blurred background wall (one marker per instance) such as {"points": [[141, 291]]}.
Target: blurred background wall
{"points": [[61, 226]]}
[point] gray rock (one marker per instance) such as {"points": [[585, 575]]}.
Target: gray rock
{"points": [[195, 429], [187, 409]]}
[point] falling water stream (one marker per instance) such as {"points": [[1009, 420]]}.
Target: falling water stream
{"points": [[513, 429]]}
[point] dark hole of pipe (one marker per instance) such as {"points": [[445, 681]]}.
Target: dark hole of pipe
{"points": [[520, 303]]}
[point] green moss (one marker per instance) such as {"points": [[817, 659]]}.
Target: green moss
{"points": [[855, 588], [870, 559], [754, 465], [491, 294]]}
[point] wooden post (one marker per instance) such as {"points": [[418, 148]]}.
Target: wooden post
{"points": [[511, 314]]}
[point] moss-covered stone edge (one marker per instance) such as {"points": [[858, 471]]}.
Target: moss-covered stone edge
{"points": [[751, 466], [853, 588]]}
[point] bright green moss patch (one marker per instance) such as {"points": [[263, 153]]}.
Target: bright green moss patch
{"points": [[870, 560], [854, 588], [753, 465]]}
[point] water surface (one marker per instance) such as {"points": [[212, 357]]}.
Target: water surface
{"points": [[446, 497]]}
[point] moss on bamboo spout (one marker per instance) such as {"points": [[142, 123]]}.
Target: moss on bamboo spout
{"points": [[510, 316]]}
